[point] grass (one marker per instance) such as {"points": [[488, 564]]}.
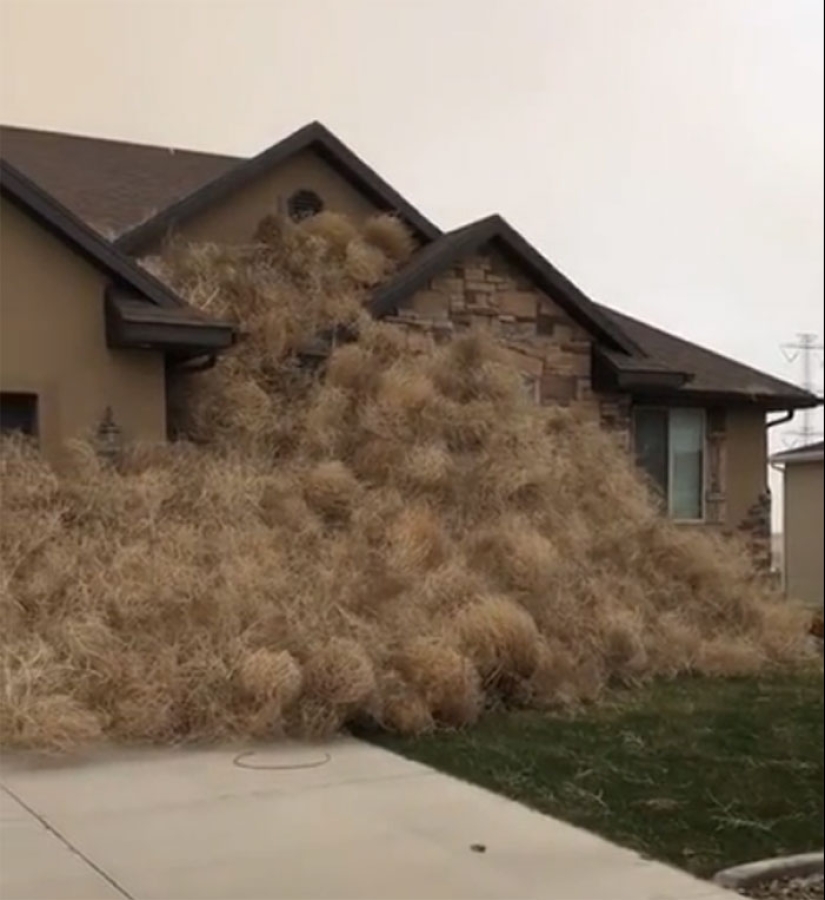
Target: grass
{"points": [[701, 773]]}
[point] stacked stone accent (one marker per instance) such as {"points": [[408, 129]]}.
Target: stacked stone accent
{"points": [[553, 352], [716, 512]]}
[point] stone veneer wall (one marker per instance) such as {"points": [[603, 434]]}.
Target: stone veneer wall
{"points": [[552, 351], [716, 511], [554, 354]]}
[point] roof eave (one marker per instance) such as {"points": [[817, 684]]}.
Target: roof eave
{"points": [[188, 340], [193, 337], [767, 402], [638, 375]]}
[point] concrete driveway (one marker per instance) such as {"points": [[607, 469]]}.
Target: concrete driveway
{"points": [[342, 820]]}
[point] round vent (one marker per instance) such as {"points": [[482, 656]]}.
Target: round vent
{"points": [[303, 204]]}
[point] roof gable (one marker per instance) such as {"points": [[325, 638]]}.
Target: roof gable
{"points": [[495, 231], [166, 322], [648, 361], [111, 185], [58, 220], [313, 137]]}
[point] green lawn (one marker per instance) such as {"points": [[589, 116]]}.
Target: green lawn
{"points": [[699, 772]]}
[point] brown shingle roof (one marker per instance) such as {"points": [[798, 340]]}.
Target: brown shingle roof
{"points": [[114, 186], [110, 185], [710, 373]]}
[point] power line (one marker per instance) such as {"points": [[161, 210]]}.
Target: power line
{"points": [[805, 348]]}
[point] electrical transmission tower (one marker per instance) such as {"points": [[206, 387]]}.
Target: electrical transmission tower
{"points": [[808, 350]]}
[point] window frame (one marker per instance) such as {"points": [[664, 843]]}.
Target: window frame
{"points": [[303, 204], [703, 420], [34, 399]]}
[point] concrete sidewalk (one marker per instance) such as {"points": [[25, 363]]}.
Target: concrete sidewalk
{"points": [[345, 820]]}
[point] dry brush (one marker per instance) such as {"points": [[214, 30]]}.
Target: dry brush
{"points": [[398, 537]]}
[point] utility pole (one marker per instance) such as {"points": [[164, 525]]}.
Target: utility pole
{"points": [[805, 348]]}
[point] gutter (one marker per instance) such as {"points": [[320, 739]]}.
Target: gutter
{"points": [[783, 419]]}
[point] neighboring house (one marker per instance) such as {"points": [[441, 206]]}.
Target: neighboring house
{"points": [[696, 420], [86, 336], [803, 516]]}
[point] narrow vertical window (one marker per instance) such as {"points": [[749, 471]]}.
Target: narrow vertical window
{"points": [[670, 448]]}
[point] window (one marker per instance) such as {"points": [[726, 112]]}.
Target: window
{"points": [[669, 446], [18, 413], [303, 204]]}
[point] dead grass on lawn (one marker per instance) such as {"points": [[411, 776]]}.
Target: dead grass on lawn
{"points": [[401, 541]]}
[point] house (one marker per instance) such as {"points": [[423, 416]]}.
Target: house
{"points": [[696, 421], [87, 337], [803, 516]]}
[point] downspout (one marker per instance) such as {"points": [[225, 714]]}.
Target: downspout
{"points": [[782, 420]]}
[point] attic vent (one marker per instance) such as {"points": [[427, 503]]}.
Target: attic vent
{"points": [[303, 204]]}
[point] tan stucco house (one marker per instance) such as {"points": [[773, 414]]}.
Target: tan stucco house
{"points": [[696, 421], [803, 470], [87, 337]]}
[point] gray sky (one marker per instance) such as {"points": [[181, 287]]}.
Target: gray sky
{"points": [[665, 154]]}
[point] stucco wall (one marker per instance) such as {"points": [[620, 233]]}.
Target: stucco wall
{"points": [[233, 220], [746, 463], [804, 531], [52, 342]]}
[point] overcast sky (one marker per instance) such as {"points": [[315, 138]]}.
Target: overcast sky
{"points": [[665, 154]]}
